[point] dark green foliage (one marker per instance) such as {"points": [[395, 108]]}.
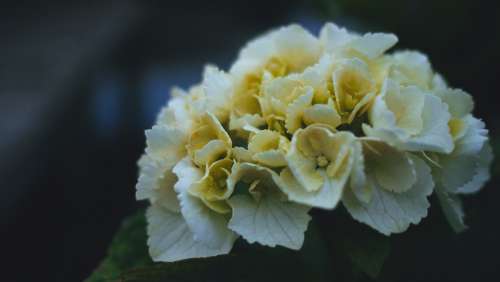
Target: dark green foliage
{"points": [[322, 258], [127, 250]]}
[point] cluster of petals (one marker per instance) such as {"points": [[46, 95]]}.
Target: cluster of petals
{"points": [[302, 121]]}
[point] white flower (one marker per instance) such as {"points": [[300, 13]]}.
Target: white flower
{"points": [[410, 119], [195, 231], [302, 122], [339, 42], [277, 53], [466, 169], [208, 141], [284, 50], [411, 68], [397, 184], [263, 214], [353, 87], [319, 165]]}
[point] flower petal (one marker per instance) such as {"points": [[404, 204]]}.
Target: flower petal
{"points": [[292, 44], [303, 168], [271, 158], [295, 111], [326, 197], [358, 183], [165, 142], [412, 68], [434, 134], [206, 225], [322, 114], [466, 169], [452, 209], [373, 45], [334, 38], [482, 171], [170, 239], [269, 221], [156, 183], [459, 102], [218, 87], [393, 170], [389, 212]]}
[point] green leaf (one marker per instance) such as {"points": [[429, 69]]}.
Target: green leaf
{"points": [[127, 250], [368, 251], [358, 252]]}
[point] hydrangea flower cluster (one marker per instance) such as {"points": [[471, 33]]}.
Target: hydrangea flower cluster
{"points": [[303, 122]]}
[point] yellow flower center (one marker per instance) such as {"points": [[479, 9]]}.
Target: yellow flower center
{"points": [[322, 161]]}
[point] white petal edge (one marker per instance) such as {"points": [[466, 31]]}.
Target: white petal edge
{"points": [[207, 225], [269, 221], [170, 239], [389, 212], [452, 209]]}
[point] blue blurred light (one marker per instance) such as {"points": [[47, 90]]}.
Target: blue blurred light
{"points": [[106, 104]]}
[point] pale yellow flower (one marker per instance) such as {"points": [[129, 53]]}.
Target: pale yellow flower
{"points": [[212, 188], [354, 88], [262, 214], [319, 165], [303, 121], [342, 43], [467, 168], [268, 148], [277, 53], [208, 141], [411, 68], [394, 193], [409, 118]]}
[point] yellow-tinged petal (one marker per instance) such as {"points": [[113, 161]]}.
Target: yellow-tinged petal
{"points": [[268, 147], [212, 151], [271, 158], [242, 155], [237, 123], [206, 224], [407, 106], [295, 111], [209, 141], [324, 114], [339, 41], [411, 132], [258, 177], [277, 94], [320, 159], [212, 189], [352, 82]]}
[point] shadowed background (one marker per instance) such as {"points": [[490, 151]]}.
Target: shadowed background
{"points": [[80, 81]]}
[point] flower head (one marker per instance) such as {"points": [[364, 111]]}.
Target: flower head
{"points": [[301, 122]]}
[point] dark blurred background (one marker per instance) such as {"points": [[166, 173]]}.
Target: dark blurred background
{"points": [[80, 81]]}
